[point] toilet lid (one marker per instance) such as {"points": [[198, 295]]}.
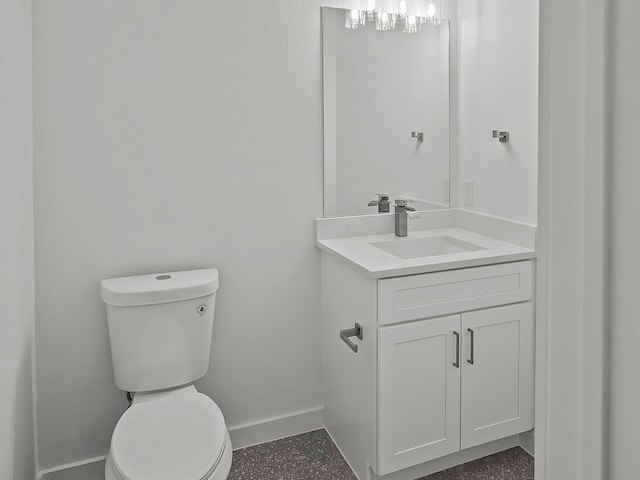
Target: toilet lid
{"points": [[175, 438]]}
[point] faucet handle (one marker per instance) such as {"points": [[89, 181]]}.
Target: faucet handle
{"points": [[403, 203], [408, 209], [383, 197], [382, 203]]}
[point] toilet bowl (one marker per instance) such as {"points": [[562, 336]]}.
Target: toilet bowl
{"points": [[174, 435]]}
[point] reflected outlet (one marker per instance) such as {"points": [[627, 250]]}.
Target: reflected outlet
{"points": [[467, 190], [446, 192]]}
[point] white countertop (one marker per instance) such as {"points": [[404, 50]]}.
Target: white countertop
{"points": [[376, 263]]}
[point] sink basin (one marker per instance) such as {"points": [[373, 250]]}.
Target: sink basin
{"points": [[407, 248]]}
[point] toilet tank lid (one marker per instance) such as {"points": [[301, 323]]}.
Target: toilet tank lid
{"points": [[159, 287]]}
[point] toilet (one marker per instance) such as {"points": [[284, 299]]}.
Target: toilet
{"points": [[160, 329]]}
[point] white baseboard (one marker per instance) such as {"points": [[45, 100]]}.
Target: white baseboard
{"points": [[84, 469], [241, 436], [450, 461], [276, 428], [528, 442]]}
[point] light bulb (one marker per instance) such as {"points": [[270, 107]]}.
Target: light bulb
{"points": [[431, 11], [411, 24], [402, 8]]}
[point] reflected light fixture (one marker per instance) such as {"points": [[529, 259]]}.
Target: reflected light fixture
{"points": [[354, 18], [385, 21], [386, 14]]}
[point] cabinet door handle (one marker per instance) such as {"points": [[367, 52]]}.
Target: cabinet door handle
{"points": [[351, 332], [471, 349], [457, 362]]}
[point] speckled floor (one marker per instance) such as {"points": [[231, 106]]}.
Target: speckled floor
{"points": [[313, 456], [513, 464], [310, 456]]}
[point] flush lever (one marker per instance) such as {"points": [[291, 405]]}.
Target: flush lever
{"points": [[351, 332]]}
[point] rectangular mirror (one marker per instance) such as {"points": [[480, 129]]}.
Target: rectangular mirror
{"points": [[379, 88]]}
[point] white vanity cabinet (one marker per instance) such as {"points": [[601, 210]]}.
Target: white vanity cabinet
{"points": [[497, 388], [445, 363], [418, 393], [452, 383]]}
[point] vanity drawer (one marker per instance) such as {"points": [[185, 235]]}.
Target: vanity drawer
{"points": [[441, 293]]}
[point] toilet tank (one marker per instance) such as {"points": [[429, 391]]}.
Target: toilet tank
{"points": [[160, 327]]}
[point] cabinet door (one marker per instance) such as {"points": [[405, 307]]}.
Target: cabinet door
{"points": [[497, 380], [418, 392]]}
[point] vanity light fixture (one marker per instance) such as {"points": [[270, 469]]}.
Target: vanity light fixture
{"points": [[386, 14]]}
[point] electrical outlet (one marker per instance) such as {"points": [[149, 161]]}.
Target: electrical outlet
{"points": [[446, 193], [467, 191]]}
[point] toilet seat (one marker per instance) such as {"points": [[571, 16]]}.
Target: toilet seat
{"points": [[180, 437]]}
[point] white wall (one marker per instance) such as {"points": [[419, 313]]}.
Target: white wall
{"points": [[498, 90], [574, 245], [175, 135], [172, 134], [386, 85], [590, 75], [625, 325], [17, 460], [562, 222]]}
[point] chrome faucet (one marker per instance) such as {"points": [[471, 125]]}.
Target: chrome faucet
{"points": [[403, 213], [382, 203]]}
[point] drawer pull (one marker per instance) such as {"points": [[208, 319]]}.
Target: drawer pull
{"points": [[457, 362], [351, 332], [472, 343]]}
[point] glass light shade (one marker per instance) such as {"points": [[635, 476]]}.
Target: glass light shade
{"points": [[354, 18], [433, 13], [374, 8], [385, 21], [411, 24]]}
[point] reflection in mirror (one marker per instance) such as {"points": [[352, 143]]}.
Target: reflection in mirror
{"points": [[386, 116]]}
